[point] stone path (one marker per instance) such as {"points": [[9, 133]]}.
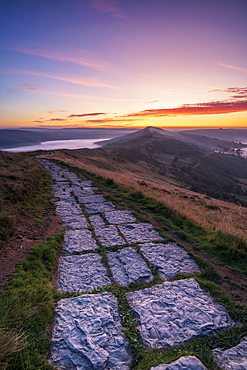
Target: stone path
{"points": [[233, 358], [183, 363], [105, 246], [88, 334], [169, 259], [174, 312]]}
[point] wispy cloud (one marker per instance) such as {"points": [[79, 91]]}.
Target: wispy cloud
{"points": [[85, 115], [70, 95], [229, 66], [153, 101], [56, 111], [111, 7], [238, 92], [56, 119], [66, 54], [85, 81]]}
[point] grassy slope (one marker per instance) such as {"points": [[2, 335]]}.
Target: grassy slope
{"points": [[24, 191], [121, 165], [27, 304], [27, 307], [209, 279], [162, 159]]}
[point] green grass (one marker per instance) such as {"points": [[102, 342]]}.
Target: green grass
{"points": [[224, 248], [27, 306], [24, 191], [209, 279]]}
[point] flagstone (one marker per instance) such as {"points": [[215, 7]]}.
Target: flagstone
{"points": [[91, 198], [88, 334], [234, 358], [142, 232], [119, 217], [109, 236], [81, 273], [96, 220], [169, 258], [183, 363], [78, 241], [128, 267], [99, 207], [174, 312]]}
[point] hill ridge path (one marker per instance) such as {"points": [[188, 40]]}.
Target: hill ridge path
{"points": [[88, 332]]}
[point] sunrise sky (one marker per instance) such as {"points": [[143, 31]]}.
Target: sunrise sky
{"points": [[123, 63]]}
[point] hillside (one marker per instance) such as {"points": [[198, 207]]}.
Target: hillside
{"points": [[236, 135], [151, 155], [205, 139], [28, 302]]}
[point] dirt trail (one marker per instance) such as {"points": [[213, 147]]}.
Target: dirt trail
{"points": [[26, 237]]}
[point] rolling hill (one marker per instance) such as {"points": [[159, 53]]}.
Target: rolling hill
{"points": [[150, 154]]}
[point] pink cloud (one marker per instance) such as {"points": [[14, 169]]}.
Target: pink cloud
{"points": [[239, 69], [108, 6], [85, 115], [78, 96], [218, 107], [56, 119], [238, 92], [66, 54], [56, 111], [86, 81]]}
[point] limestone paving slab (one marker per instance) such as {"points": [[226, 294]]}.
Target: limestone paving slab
{"points": [[174, 312], [61, 185], [128, 267], [96, 220], [88, 334], [119, 217], [99, 207], [67, 208], [72, 219], [78, 191], [86, 183], [62, 194], [79, 222], [78, 241], [109, 236], [142, 232], [82, 273], [183, 363], [91, 198], [169, 258], [234, 358]]}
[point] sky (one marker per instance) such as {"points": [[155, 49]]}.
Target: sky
{"points": [[123, 63]]}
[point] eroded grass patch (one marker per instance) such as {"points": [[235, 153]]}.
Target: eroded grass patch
{"points": [[27, 306]]}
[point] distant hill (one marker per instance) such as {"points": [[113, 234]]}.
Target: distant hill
{"points": [[236, 135], [196, 137], [151, 154]]}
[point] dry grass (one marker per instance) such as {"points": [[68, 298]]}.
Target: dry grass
{"points": [[10, 342], [22, 184], [212, 214]]}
